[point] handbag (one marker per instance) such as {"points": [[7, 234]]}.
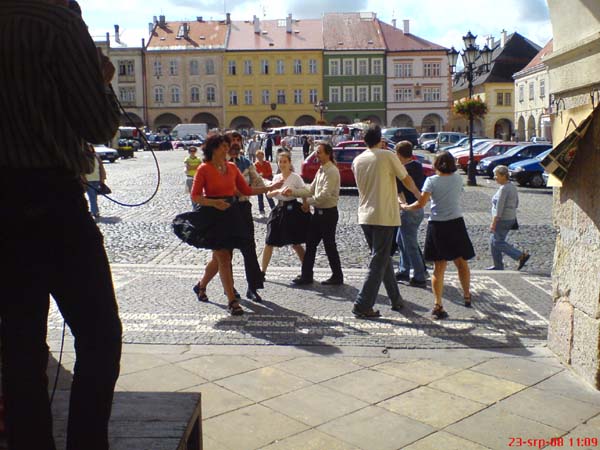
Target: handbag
{"points": [[104, 189], [515, 226]]}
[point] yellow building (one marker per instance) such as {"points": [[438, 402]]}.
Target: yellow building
{"points": [[273, 73]]}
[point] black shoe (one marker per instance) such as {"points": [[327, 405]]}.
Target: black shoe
{"points": [[200, 293], [254, 296], [417, 283], [368, 314], [402, 276], [523, 259], [398, 307], [438, 312], [300, 280], [333, 281], [493, 268]]}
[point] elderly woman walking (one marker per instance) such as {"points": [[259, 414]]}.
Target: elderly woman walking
{"points": [[447, 238], [504, 218]]}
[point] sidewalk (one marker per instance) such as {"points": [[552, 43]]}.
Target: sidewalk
{"points": [[299, 372]]}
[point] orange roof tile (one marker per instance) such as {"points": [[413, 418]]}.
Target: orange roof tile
{"points": [[537, 59], [202, 35], [397, 41], [352, 31], [307, 34]]}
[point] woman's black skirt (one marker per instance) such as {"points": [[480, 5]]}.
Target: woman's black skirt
{"points": [[448, 240], [287, 224], [210, 228]]}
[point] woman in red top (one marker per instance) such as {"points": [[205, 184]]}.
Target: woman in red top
{"points": [[215, 185]]}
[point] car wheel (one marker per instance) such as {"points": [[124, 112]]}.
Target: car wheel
{"points": [[522, 183], [537, 180]]}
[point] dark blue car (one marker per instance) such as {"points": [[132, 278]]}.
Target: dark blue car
{"points": [[519, 153], [529, 171]]}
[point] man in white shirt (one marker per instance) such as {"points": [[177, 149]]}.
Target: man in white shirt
{"points": [[375, 171]]}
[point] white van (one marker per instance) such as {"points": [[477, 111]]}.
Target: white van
{"points": [[184, 129]]}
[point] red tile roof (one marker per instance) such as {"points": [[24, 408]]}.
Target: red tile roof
{"points": [[307, 34], [202, 35], [352, 31], [397, 41], [537, 59]]}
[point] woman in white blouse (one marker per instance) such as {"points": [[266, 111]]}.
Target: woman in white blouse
{"points": [[289, 220]]}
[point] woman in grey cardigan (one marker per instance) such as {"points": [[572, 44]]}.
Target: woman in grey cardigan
{"points": [[504, 218]]}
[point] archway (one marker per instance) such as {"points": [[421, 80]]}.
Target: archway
{"points": [[521, 129], [340, 120], [166, 121], [531, 128], [126, 120], [273, 122], [503, 129], [241, 122], [402, 120], [207, 118], [305, 120], [431, 123], [372, 118]]}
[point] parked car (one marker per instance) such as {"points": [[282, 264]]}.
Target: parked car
{"points": [[478, 144], [486, 150], [344, 154], [427, 137], [519, 153], [446, 139], [187, 141], [160, 142], [529, 171], [106, 153], [396, 135]]}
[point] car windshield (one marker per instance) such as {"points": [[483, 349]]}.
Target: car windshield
{"points": [[544, 154], [515, 150]]}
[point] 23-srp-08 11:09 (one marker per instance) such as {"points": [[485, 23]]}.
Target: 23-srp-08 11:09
{"points": [[581, 442]]}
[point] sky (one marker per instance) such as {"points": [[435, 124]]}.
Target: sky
{"points": [[443, 22]]}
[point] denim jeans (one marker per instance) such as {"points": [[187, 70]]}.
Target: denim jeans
{"points": [[49, 244], [408, 245], [498, 244], [380, 239], [261, 203], [92, 193]]}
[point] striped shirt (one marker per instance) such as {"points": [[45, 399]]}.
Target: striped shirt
{"points": [[53, 97]]}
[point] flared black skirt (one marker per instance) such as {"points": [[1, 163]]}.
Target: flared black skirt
{"points": [[287, 224], [448, 240]]}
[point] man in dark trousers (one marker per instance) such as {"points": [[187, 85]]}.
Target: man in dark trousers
{"points": [[56, 92], [269, 148]]}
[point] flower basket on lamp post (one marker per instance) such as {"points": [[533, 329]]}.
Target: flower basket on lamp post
{"points": [[472, 107]]}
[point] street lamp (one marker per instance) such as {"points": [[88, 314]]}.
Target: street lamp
{"points": [[321, 107], [470, 54]]}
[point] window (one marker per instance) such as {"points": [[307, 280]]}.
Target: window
{"points": [[280, 67], [312, 66], [507, 99], [266, 97], [210, 67], [297, 66], [376, 94], [281, 96], [194, 67], [127, 67], [403, 70], [247, 67], [432, 94], [127, 94], [173, 68], [175, 94], [403, 94], [431, 69], [157, 68], [231, 67], [521, 92], [312, 96], [211, 94], [500, 99], [542, 88], [195, 95], [377, 66], [531, 90], [264, 66], [363, 66], [248, 97], [297, 96], [233, 98], [334, 95], [348, 67], [159, 94], [348, 94], [363, 94], [334, 67]]}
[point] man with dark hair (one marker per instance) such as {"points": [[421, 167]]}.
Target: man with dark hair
{"points": [[57, 87], [375, 171], [406, 238]]}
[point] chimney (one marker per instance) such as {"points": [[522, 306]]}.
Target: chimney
{"points": [[256, 22], [492, 43], [154, 19], [394, 23], [117, 37], [406, 23], [162, 20], [228, 18], [502, 38], [150, 27], [288, 23]]}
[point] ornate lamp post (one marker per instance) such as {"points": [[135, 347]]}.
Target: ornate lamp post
{"points": [[470, 54], [321, 107]]}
